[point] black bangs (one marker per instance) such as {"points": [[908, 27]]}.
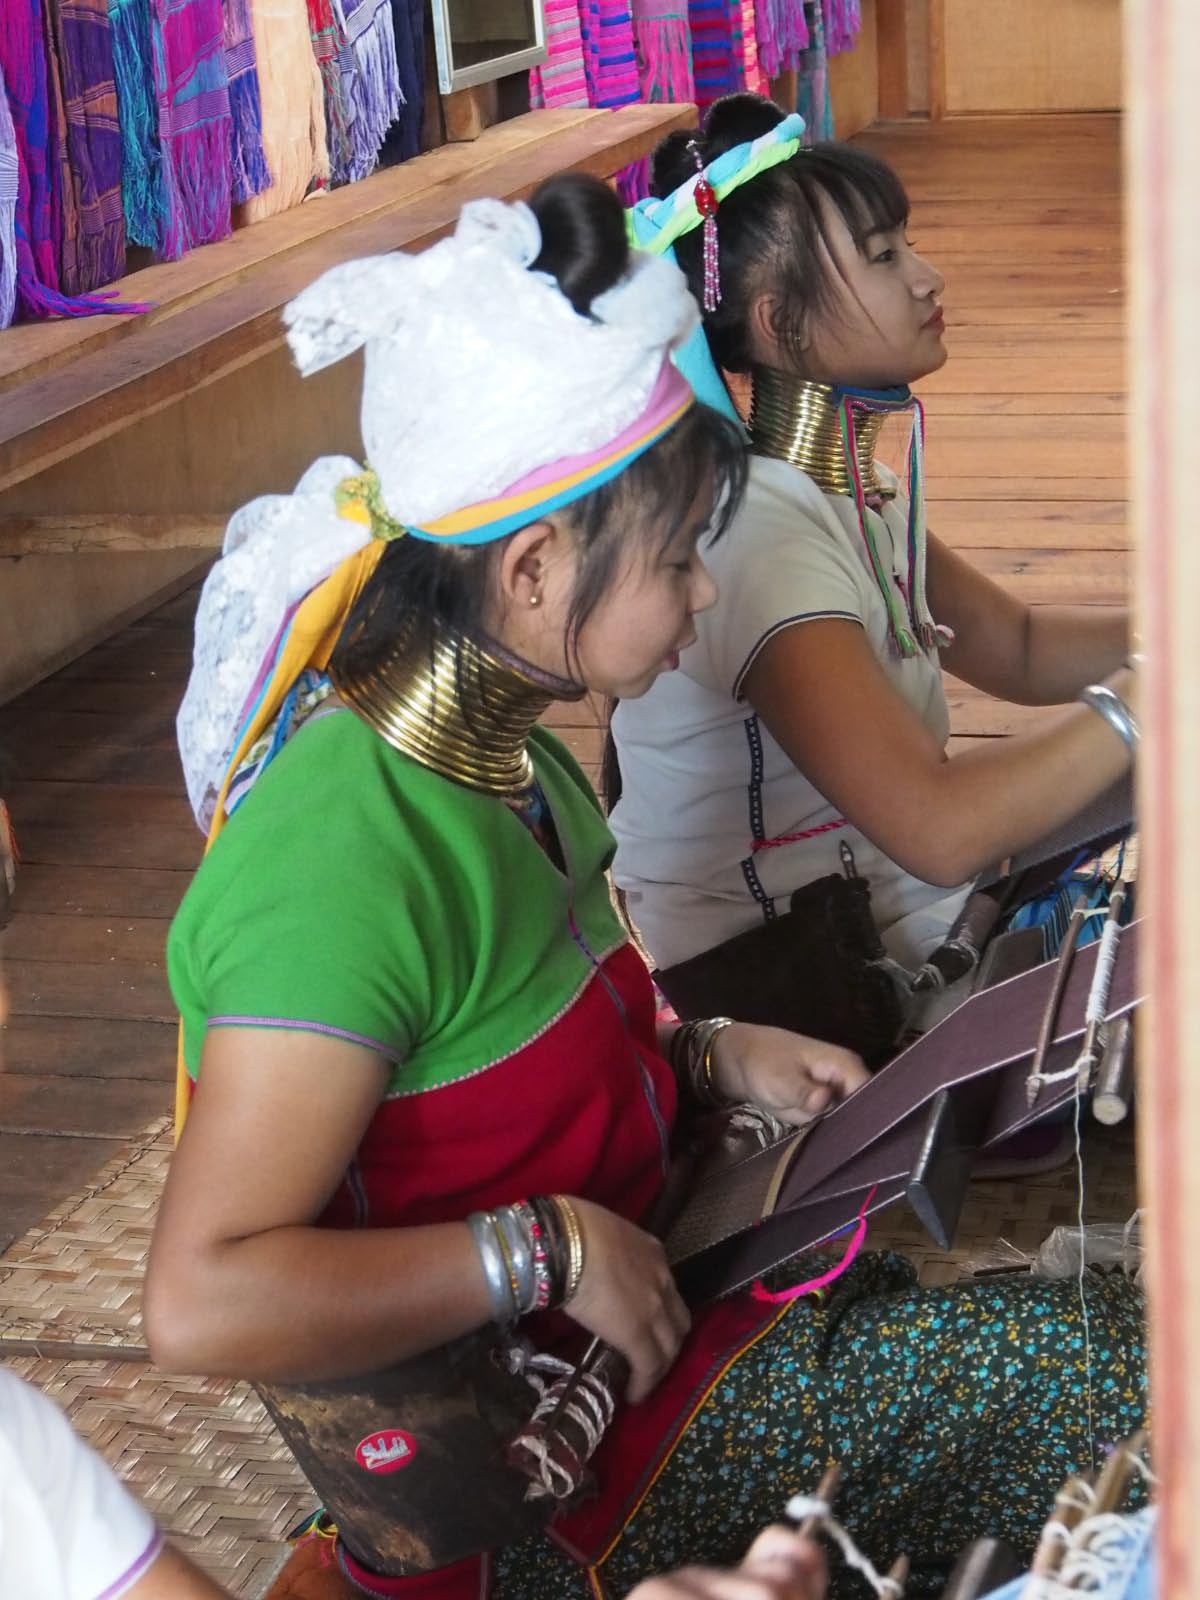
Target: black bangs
{"points": [[866, 192]]}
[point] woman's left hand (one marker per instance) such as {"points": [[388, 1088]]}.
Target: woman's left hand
{"points": [[793, 1077]]}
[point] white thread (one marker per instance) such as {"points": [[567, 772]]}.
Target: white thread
{"points": [[591, 1410], [1087, 1321], [801, 1506], [1106, 960]]}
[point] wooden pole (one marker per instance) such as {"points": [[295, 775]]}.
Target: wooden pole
{"points": [[1162, 39], [937, 60]]}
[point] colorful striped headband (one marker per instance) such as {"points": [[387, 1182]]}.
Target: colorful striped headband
{"points": [[539, 492], [654, 226]]}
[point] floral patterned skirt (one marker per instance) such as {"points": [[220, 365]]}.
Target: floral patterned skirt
{"points": [[954, 1413]]}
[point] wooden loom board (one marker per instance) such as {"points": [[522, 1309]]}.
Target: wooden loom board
{"points": [[1163, 155]]}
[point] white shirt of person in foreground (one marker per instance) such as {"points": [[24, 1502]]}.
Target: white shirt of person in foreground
{"points": [[70, 1530]]}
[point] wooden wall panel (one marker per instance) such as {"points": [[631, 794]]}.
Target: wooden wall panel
{"points": [[1031, 55], [854, 80]]}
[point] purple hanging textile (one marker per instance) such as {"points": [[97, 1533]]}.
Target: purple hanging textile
{"points": [[843, 22], [38, 223], [609, 54], [194, 122], [373, 77], [250, 172], [8, 211], [94, 251], [782, 35], [717, 57]]}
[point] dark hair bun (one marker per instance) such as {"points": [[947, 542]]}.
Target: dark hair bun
{"points": [[734, 120], [583, 236]]}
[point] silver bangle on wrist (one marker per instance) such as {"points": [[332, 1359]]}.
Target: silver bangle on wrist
{"points": [[518, 1255], [1107, 703], [500, 1287]]}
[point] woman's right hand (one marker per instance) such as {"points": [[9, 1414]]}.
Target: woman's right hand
{"points": [[627, 1296], [780, 1565]]}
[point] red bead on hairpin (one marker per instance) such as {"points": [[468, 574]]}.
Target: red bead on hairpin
{"points": [[705, 197]]}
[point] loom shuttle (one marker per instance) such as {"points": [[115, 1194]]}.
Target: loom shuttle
{"points": [[1062, 971], [1114, 1080]]}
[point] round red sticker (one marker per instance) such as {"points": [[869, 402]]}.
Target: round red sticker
{"points": [[386, 1451]]}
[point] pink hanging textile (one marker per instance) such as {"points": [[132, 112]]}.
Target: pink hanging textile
{"points": [[663, 38], [717, 59], [195, 124], [609, 54], [562, 81], [755, 77], [843, 23]]}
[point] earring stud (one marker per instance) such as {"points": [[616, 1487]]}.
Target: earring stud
{"points": [[535, 599]]}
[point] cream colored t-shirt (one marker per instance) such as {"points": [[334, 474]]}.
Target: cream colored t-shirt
{"points": [[703, 778]]}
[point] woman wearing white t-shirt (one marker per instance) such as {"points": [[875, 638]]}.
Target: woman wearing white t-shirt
{"points": [[805, 734]]}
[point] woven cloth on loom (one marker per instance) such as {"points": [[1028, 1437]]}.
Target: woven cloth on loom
{"points": [[94, 238], [782, 35], [609, 54], [376, 99], [251, 174], [562, 81], [329, 47], [142, 193], [293, 110], [194, 123], [717, 51]]}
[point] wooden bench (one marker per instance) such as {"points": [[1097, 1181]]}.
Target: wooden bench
{"points": [[142, 432]]}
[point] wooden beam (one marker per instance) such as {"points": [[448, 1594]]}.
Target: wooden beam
{"points": [[467, 112], [54, 536], [892, 23], [84, 392], [1162, 42]]}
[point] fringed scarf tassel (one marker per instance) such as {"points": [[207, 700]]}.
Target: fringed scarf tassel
{"points": [[250, 172], [782, 35], [8, 212], [375, 92], [195, 128], [329, 47], [142, 193], [198, 210]]}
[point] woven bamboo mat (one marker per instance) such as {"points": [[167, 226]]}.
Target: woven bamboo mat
{"points": [[203, 1454]]}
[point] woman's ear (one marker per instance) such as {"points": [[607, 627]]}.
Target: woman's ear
{"points": [[774, 340], [528, 558]]}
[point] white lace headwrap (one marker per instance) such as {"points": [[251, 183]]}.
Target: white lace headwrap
{"points": [[478, 373]]}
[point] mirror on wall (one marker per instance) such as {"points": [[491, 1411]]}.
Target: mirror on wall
{"points": [[478, 40]]}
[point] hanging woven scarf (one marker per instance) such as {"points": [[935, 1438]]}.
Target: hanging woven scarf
{"points": [[142, 193], [562, 81], [609, 54], [37, 224], [812, 89], [716, 48], [293, 110], [8, 211], [664, 55], [376, 99], [782, 35], [664, 51], [251, 173], [753, 74], [408, 19], [96, 234], [194, 124], [843, 23], [329, 45]]}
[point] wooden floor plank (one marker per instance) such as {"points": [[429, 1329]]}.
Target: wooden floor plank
{"points": [[98, 891], [81, 1047]]}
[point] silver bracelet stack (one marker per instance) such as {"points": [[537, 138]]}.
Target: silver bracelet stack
{"points": [[1106, 703], [532, 1254]]}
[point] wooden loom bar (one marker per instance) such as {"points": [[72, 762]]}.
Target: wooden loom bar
{"points": [[1163, 149]]}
